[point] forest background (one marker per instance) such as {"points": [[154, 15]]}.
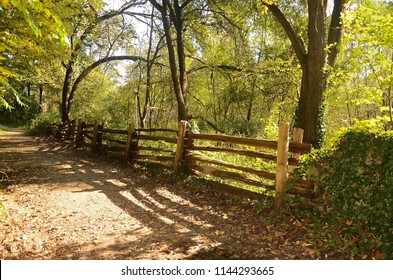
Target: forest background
{"points": [[234, 67]]}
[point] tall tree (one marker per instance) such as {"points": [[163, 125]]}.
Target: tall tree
{"points": [[313, 60], [81, 34], [172, 12]]}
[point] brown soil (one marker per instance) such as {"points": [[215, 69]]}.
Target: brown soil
{"points": [[67, 204]]}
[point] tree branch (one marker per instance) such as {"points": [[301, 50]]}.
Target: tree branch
{"points": [[156, 5], [122, 9], [106, 16], [221, 66], [222, 13], [185, 4], [133, 14], [335, 30], [94, 65], [172, 11], [297, 43], [212, 125], [206, 65]]}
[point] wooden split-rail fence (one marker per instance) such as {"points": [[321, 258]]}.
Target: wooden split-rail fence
{"points": [[182, 150]]}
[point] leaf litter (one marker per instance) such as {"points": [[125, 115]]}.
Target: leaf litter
{"points": [[59, 207]]}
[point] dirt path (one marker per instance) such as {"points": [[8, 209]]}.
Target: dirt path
{"points": [[64, 204]]}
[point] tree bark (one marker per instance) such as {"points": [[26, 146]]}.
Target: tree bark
{"points": [[313, 60], [179, 22], [65, 112], [310, 106], [149, 64], [177, 64], [41, 98], [28, 89], [335, 31], [182, 109]]}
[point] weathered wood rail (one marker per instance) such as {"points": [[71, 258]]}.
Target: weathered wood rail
{"points": [[198, 154]]}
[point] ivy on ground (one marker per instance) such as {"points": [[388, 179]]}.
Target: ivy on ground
{"points": [[355, 192]]}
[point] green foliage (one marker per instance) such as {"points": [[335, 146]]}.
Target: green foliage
{"points": [[23, 110], [42, 125], [29, 31], [265, 205], [28, 8], [360, 86], [356, 187]]}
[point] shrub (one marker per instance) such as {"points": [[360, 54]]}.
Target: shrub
{"points": [[356, 187], [42, 125]]}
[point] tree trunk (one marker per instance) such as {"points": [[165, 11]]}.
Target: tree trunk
{"points": [[65, 110], [182, 109], [149, 65], [313, 61], [177, 64], [179, 22], [310, 106], [41, 92], [148, 72], [28, 89]]}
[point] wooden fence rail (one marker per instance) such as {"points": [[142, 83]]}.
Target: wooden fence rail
{"points": [[180, 150]]}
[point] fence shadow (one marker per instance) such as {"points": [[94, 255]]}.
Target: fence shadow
{"points": [[160, 219]]}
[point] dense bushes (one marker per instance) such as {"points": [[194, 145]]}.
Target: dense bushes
{"points": [[42, 125], [356, 189]]}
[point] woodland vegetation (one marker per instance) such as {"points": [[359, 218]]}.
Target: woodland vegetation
{"points": [[234, 67], [238, 67]]}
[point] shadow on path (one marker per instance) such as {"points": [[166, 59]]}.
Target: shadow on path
{"points": [[102, 210]]}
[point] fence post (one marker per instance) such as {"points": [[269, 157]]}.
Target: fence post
{"points": [[99, 136], [70, 133], [282, 163], [57, 132], [297, 138], [54, 127], [79, 133], [188, 163], [95, 142], [180, 146], [128, 146]]}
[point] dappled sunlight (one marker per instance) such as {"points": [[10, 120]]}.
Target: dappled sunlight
{"points": [[177, 199], [97, 171], [174, 212], [165, 219], [68, 172], [134, 200], [117, 183], [65, 166], [165, 214], [52, 149], [151, 199], [142, 205], [92, 209], [98, 182], [65, 169]]}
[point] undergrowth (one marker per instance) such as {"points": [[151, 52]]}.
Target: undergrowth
{"points": [[354, 209], [41, 125]]}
